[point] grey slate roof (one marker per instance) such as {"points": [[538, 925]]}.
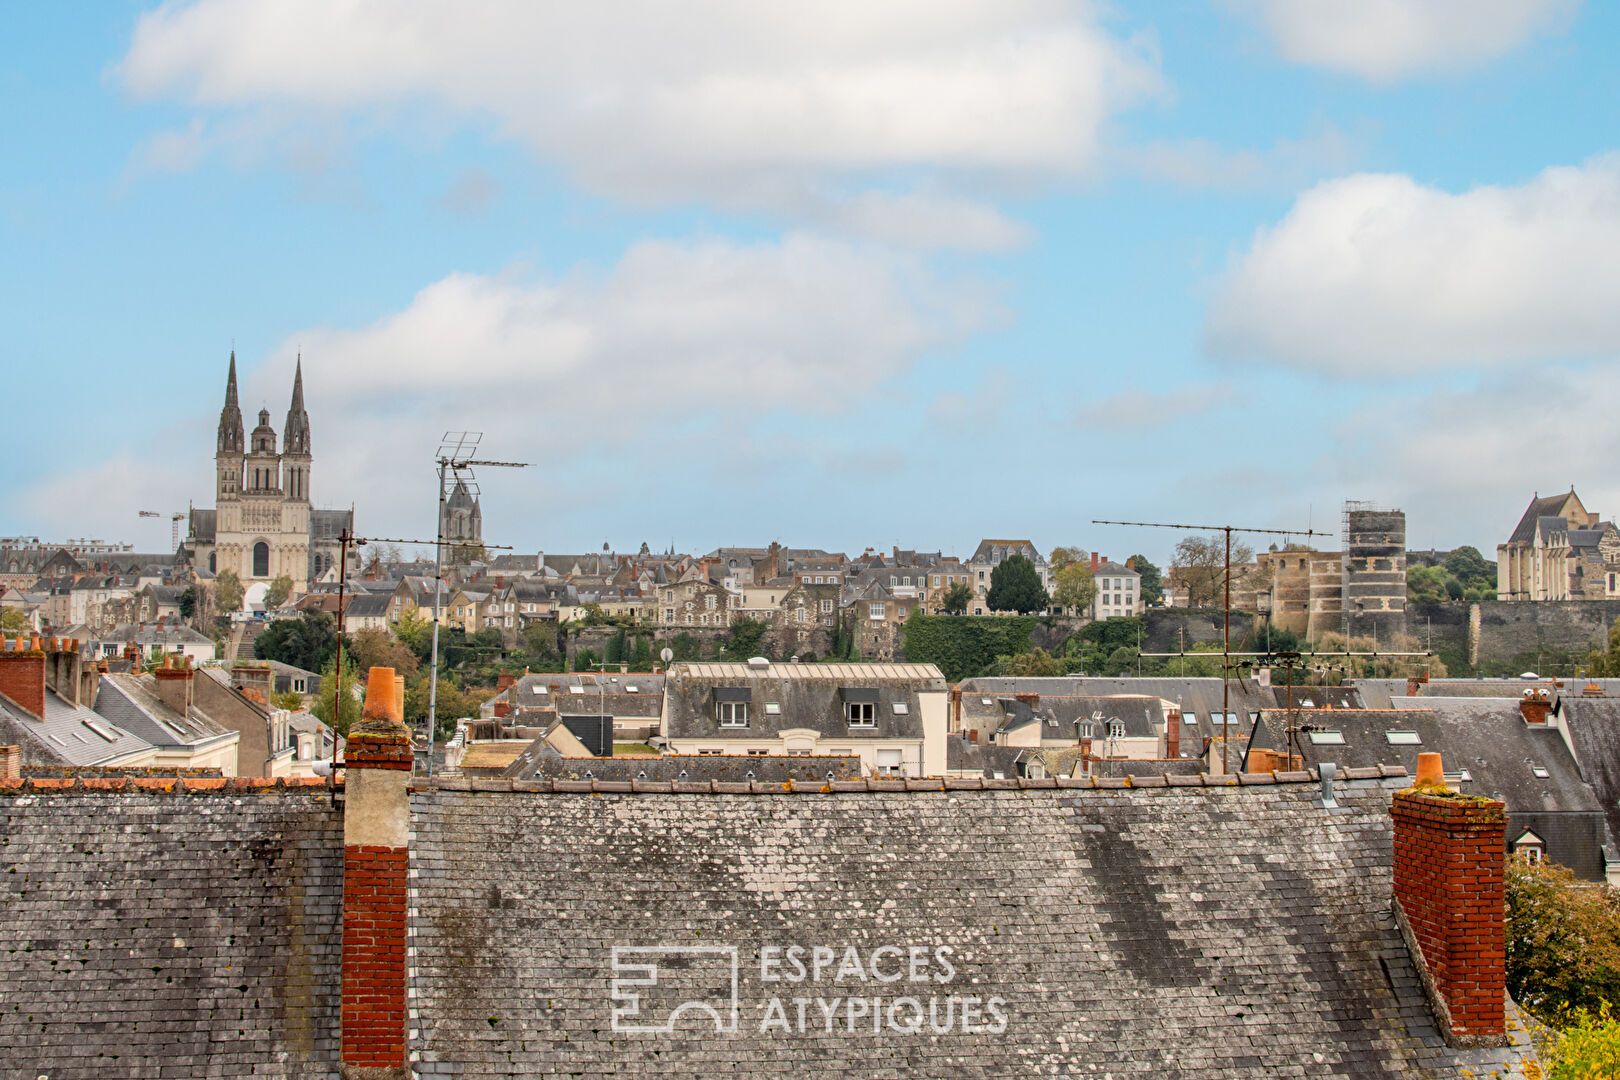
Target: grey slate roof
{"points": [[555, 691], [367, 605], [1538, 509], [1490, 740], [534, 764], [1116, 944], [170, 935], [809, 695], [68, 735], [131, 702]]}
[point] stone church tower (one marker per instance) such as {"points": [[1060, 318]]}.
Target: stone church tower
{"points": [[263, 526]]}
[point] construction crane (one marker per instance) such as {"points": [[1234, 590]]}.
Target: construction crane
{"points": [[174, 526]]}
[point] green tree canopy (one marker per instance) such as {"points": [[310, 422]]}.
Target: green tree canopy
{"points": [[743, 639], [1064, 556], [957, 598], [1152, 580], [228, 591], [415, 630], [306, 642], [1015, 585], [188, 601], [1468, 566], [1563, 940], [348, 701], [277, 594], [1074, 588]]}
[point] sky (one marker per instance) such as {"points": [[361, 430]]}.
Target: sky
{"points": [[841, 275]]}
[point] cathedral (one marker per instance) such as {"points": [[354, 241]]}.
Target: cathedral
{"points": [[263, 526]]}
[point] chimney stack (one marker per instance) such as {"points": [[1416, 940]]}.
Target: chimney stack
{"points": [[1172, 734], [376, 823], [10, 763], [22, 676], [1534, 706], [1449, 901], [174, 684]]}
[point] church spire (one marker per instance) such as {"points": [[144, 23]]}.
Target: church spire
{"points": [[232, 436], [295, 437]]}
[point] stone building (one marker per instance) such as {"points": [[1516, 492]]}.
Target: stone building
{"points": [[462, 524], [1559, 551], [263, 525], [1360, 590]]}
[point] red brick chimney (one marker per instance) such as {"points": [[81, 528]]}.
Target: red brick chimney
{"points": [[1172, 734], [22, 675], [1449, 897], [1096, 562], [10, 763], [376, 824], [1534, 707]]}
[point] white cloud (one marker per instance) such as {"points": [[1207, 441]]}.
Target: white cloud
{"points": [[727, 101], [1463, 462], [1387, 40], [1376, 273], [1287, 165], [675, 352]]}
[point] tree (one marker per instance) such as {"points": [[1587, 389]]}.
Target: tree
{"points": [[349, 699], [1200, 568], [1602, 665], [1037, 663], [1468, 566], [374, 647], [1074, 589], [1152, 581], [743, 638], [291, 700], [1563, 940], [188, 601], [228, 591], [452, 704], [1066, 556], [13, 621], [1015, 585], [1588, 1048], [957, 598], [416, 631], [304, 642], [277, 594]]}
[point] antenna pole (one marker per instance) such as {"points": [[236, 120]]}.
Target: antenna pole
{"points": [[438, 587]]}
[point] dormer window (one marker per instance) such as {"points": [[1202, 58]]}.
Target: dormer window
{"points": [[731, 705]]}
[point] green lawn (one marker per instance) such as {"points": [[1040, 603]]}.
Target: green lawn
{"points": [[621, 748]]}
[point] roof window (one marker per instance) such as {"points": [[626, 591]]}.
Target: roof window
{"points": [[1403, 738], [901, 708], [1326, 738], [773, 708], [101, 729], [576, 689], [1540, 772]]}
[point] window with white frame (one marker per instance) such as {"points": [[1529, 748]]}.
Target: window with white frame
{"points": [[861, 713], [826, 607], [875, 612], [710, 602], [733, 714]]}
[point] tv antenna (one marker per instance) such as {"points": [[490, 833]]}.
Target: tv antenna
{"points": [[1226, 631]]}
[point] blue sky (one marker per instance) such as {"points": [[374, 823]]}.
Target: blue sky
{"points": [[729, 272]]}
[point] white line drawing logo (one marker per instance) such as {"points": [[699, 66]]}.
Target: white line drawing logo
{"points": [[710, 971]]}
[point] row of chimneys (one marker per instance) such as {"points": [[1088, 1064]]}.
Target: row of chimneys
{"points": [[30, 668]]}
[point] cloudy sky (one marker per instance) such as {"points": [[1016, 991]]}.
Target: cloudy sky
{"points": [[840, 274]]}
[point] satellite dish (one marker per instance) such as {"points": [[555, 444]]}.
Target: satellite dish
{"points": [[667, 654]]}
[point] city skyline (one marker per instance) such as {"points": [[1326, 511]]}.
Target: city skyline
{"points": [[1128, 283]]}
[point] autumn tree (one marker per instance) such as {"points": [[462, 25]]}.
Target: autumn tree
{"points": [[1074, 588], [1065, 556], [374, 647], [1563, 940]]}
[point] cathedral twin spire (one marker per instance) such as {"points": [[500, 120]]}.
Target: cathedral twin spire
{"points": [[232, 433]]}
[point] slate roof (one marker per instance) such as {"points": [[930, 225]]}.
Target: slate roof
{"points": [[535, 764], [544, 691], [1487, 738], [68, 735], [170, 935], [162, 634], [131, 702], [1116, 944], [1142, 715], [1594, 733], [1198, 698], [1538, 509], [367, 605], [809, 696]]}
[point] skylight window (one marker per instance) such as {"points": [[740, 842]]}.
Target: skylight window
{"points": [[542, 689], [1403, 738], [773, 708], [1540, 772], [901, 708], [1326, 738], [631, 688], [576, 689]]}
